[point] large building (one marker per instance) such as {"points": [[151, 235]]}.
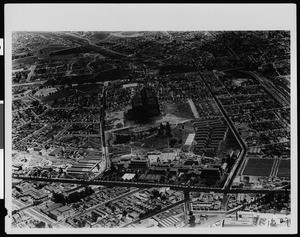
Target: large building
{"points": [[145, 104], [139, 164], [211, 173]]}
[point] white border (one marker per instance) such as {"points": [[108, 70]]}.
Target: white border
{"points": [[86, 17]]}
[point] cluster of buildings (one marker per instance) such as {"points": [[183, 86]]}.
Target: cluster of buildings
{"points": [[27, 193], [85, 165], [167, 166], [209, 134], [126, 210], [256, 116], [187, 86], [60, 121], [246, 219], [173, 217], [57, 211], [59, 162], [25, 220], [207, 202], [119, 98], [76, 97]]}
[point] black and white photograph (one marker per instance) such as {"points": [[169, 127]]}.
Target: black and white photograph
{"points": [[120, 126]]}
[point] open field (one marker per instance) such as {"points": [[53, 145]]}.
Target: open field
{"points": [[284, 169], [258, 167], [154, 142], [180, 110], [180, 134]]}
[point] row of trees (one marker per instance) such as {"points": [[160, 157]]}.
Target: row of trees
{"points": [[164, 130], [192, 219], [156, 194]]}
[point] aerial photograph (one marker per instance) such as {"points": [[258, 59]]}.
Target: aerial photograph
{"points": [[151, 129]]}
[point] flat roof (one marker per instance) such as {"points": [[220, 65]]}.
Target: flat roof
{"points": [[128, 176], [239, 222], [189, 140]]}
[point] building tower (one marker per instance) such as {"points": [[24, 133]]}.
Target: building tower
{"points": [[145, 104]]}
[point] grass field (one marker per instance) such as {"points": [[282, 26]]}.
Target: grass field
{"points": [[284, 169], [154, 142], [258, 167]]}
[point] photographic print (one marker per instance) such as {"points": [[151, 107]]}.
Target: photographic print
{"points": [[186, 129]]}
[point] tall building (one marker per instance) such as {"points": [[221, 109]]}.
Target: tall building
{"points": [[145, 104]]}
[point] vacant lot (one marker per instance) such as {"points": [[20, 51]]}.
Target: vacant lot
{"points": [[154, 142], [180, 110], [258, 167], [284, 169]]}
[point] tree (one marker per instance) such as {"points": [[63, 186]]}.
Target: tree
{"points": [[113, 168], [82, 223], [88, 191], [192, 221], [124, 213], [41, 224], [47, 147], [58, 198], [159, 132], [163, 197], [39, 172], [113, 208], [161, 129], [94, 218], [168, 130], [173, 142], [155, 193], [163, 179]]}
